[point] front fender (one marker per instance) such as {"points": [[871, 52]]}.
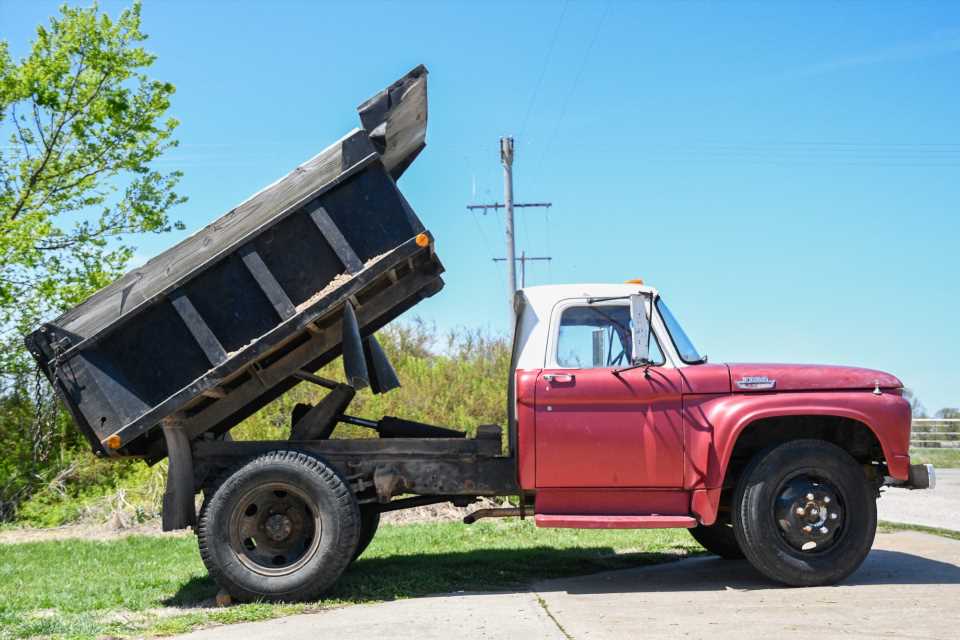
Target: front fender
{"points": [[712, 425]]}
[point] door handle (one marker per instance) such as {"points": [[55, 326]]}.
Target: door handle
{"points": [[559, 377]]}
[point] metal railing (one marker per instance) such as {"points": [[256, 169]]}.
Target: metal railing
{"points": [[935, 433]]}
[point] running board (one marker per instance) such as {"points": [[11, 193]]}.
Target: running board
{"points": [[614, 522]]}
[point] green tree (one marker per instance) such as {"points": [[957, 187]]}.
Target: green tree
{"points": [[82, 123]]}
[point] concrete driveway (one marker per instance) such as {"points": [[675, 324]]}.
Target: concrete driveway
{"points": [[908, 587], [937, 508]]}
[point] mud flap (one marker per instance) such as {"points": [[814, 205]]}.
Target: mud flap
{"points": [[179, 509]]}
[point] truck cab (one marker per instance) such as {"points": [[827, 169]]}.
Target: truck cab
{"points": [[620, 422]]}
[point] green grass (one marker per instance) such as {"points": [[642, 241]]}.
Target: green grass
{"points": [[893, 527], [942, 458], [145, 585]]}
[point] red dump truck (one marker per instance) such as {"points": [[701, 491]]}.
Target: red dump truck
{"points": [[614, 418]]}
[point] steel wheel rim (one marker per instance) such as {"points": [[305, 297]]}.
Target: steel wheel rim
{"points": [[275, 529], [809, 513]]}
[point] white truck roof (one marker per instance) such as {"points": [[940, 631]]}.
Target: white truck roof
{"points": [[533, 330]]}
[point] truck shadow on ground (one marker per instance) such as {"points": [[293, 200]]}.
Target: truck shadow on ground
{"points": [[709, 573], [594, 570], [414, 575]]}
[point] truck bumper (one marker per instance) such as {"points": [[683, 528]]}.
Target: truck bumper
{"points": [[921, 476]]}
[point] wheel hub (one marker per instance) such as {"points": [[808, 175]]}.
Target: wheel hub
{"points": [[809, 513], [275, 529], [278, 527]]}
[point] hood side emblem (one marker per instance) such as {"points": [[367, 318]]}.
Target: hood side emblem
{"points": [[756, 382]]}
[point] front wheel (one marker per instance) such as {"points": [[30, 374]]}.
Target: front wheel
{"points": [[804, 514]]}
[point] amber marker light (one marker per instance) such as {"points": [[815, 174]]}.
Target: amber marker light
{"points": [[634, 281], [422, 239], [113, 442]]}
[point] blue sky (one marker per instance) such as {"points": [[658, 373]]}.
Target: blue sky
{"points": [[788, 176]]}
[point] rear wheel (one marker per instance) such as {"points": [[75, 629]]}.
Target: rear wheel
{"points": [[718, 539], [369, 523], [804, 513], [282, 527]]}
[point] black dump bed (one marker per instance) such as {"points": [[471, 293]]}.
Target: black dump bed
{"points": [[222, 323]]}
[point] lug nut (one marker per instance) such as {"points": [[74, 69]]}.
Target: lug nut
{"points": [[809, 496], [808, 529], [824, 530], [800, 511], [833, 516], [826, 499]]}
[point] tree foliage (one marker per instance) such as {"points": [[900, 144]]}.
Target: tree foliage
{"points": [[83, 122], [81, 126]]}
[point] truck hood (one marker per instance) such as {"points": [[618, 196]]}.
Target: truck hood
{"points": [[807, 377]]}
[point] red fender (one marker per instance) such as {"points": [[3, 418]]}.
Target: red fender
{"points": [[712, 425]]}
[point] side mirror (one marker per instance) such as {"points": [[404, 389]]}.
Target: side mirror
{"points": [[640, 329]]}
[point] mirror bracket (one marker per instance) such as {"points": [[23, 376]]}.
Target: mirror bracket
{"points": [[639, 329]]}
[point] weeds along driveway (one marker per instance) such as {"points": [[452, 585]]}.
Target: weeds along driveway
{"points": [[909, 585]]}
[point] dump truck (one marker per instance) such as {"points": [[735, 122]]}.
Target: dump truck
{"points": [[615, 420]]}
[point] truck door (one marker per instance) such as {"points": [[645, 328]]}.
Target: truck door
{"points": [[595, 428]]}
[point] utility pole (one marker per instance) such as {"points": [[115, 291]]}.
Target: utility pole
{"points": [[523, 260], [506, 159]]}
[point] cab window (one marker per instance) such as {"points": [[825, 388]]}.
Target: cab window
{"points": [[598, 336]]}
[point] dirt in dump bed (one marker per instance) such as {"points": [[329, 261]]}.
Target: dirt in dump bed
{"points": [[230, 354], [374, 259], [334, 284]]}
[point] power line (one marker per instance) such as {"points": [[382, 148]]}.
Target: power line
{"points": [[523, 260], [543, 71], [573, 86]]}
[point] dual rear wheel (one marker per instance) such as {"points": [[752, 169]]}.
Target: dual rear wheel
{"points": [[283, 527], [803, 514]]}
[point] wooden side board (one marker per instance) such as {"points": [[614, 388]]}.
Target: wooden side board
{"points": [[401, 120]]}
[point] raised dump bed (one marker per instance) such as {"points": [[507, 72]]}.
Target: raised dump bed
{"points": [[215, 327]]}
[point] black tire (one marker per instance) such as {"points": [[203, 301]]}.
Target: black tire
{"points": [[841, 517], [369, 523], [282, 527], [718, 539]]}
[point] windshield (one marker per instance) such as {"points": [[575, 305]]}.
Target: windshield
{"points": [[688, 352]]}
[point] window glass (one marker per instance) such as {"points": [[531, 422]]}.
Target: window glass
{"points": [[595, 336], [688, 352]]}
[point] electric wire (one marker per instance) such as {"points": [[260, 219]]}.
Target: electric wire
{"points": [[543, 70], [576, 81]]}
